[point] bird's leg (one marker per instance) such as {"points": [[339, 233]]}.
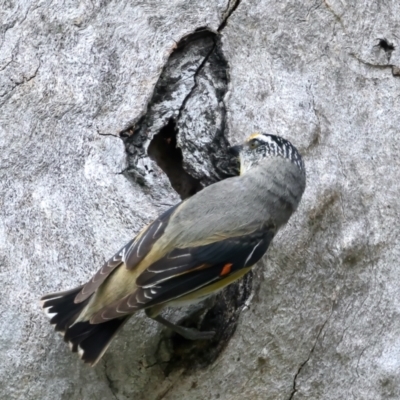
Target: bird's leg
{"points": [[187, 333]]}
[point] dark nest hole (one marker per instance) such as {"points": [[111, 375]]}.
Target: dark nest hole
{"points": [[164, 151]]}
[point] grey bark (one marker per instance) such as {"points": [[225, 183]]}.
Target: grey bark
{"points": [[322, 321]]}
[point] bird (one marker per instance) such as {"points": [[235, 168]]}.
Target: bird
{"points": [[190, 252]]}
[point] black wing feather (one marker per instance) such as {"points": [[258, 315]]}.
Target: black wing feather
{"points": [[179, 286], [183, 271], [197, 262]]}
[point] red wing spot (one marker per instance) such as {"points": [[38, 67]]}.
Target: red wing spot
{"points": [[226, 269]]}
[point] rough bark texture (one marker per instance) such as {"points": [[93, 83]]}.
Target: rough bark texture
{"points": [[322, 322]]}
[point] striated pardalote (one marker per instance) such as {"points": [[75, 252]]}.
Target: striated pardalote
{"points": [[190, 252]]}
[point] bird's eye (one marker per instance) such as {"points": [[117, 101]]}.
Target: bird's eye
{"points": [[254, 143]]}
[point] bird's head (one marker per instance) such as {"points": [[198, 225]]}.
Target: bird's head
{"points": [[260, 146]]}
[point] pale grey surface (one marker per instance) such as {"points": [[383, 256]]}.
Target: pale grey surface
{"points": [[324, 323]]}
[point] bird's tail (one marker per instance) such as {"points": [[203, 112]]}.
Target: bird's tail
{"points": [[89, 340]]}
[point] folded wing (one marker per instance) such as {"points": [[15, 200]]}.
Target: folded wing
{"points": [[187, 270]]}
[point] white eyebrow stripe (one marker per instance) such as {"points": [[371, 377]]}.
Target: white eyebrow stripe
{"points": [[252, 252]]}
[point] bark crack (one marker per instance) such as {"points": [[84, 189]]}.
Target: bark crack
{"points": [[7, 64], [395, 68], [24, 80], [294, 386], [107, 134], [381, 66], [229, 11], [195, 79]]}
